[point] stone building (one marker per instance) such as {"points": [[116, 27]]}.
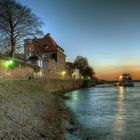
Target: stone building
{"points": [[45, 53]]}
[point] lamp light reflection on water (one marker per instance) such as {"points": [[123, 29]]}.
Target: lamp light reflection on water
{"points": [[73, 102], [119, 124], [75, 95]]}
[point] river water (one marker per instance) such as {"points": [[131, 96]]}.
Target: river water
{"points": [[107, 112]]}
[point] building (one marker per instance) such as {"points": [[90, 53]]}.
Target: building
{"points": [[72, 70], [45, 53]]}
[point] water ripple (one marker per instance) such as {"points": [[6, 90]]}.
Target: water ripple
{"points": [[107, 112]]}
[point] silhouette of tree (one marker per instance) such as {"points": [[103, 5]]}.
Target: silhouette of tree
{"points": [[82, 64], [88, 72], [17, 22]]}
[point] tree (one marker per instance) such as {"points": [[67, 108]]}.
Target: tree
{"points": [[85, 70], [88, 72], [81, 62], [17, 22]]}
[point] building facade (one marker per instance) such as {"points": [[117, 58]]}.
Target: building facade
{"points": [[45, 53]]}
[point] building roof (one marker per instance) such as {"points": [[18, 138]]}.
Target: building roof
{"points": [[41, 46], [47, 43], [51, 40]]}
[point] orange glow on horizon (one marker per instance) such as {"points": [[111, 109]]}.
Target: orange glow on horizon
{"points": [[135, 76], [113, 74]]}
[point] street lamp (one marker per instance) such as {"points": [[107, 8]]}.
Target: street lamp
{"points": [[63, 73], [8, 63]]}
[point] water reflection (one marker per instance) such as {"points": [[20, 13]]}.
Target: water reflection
{"points": [[119, 124], [75, 95], [107, 113]]}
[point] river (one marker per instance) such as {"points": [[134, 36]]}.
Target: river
{"points": [[106, 112]]}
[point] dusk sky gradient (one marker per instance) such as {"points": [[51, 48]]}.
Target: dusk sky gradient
{"points": [[107, 32]]}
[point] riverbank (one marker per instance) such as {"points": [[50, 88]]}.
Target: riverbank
{"points": [[29, 111]]}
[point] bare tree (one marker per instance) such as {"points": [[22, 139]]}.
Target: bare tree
{"points": [[17, 22]]}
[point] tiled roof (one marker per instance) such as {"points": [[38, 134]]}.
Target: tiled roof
{"points": [[44, 45], [51, 40]]}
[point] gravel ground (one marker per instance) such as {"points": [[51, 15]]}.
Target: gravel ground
{"points": [[29, 112]]}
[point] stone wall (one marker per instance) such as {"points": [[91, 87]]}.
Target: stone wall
{"points": [[61, 86], [18, 72], [50, 74]]}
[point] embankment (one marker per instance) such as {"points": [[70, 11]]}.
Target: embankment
{"points": [[62, 86], [28, 111]]}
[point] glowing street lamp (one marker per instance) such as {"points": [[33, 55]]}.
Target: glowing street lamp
{"points": [[121, 77], [73, 75], [82, 77], [89, 78], [63, 73], [8, 63]]}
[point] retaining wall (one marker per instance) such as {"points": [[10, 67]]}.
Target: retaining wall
{"points": [[61, 86]]}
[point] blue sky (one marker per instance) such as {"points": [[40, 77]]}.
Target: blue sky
{"points": [[107, 32]]}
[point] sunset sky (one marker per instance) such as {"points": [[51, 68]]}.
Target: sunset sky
{"points": [[107, 32]]}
